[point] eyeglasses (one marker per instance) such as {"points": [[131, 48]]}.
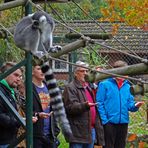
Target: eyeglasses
{"points": [[83, 70]]}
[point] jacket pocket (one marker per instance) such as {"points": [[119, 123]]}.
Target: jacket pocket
{"points": [[80, 129]]}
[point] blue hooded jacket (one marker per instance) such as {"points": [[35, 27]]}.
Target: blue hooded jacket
{"points": [[114, 103]]}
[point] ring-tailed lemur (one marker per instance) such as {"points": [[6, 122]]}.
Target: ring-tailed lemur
{"points": [[56, 100], [35, 33]]}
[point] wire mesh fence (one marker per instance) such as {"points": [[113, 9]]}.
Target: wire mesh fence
{"points": [[138, 126], [121, 38], [134, 42]]}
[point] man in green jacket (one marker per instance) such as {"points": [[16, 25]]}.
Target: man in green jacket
{"points": [[8, 124]]}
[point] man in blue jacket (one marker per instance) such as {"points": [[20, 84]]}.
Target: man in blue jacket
{"points": [[115, 100]]}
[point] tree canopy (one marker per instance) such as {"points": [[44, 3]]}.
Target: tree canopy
{"points": [[132, 12]]}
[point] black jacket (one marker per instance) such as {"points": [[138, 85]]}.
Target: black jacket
{"points": [[38, 126], [8, 124]]}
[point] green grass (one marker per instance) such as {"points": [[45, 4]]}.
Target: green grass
{"points": [[138, 125], [138, 121], [63, 143]]}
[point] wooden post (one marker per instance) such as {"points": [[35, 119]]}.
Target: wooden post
{"points": [[91, 35], [127, 70], [66, 49], [12, 4]]}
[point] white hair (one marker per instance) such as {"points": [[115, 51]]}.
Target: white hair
{"points": [[80, 64]]}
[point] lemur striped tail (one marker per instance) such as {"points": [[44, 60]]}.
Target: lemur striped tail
{"points": [[56, 100]]}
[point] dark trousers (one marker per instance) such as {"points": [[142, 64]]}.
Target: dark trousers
{"points": [[115, 135], [41, 143]]}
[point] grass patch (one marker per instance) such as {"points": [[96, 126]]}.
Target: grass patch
{"points": [[63, 143], [138, 125]]}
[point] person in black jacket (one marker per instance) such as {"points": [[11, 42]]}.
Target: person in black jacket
{"points": [[8, 124], [45, 130]]}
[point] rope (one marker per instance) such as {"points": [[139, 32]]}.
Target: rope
{"points": [[90, 41], [100, 57], [93, 41], [139, 58], [6, 29], [99, 71], [104, 29], [57, 14]]}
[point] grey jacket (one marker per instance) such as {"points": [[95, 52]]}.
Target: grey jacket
{"points": [[78, 113]]}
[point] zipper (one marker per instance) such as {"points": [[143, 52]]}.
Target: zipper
{"points": [[120, 100], [120, 106]]}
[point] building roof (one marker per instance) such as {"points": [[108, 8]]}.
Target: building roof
{"points": [[133, 38]]}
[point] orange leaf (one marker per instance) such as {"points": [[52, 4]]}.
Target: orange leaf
{"points": [[115, 29], [132, 137], [131, 146], [141, 144]]}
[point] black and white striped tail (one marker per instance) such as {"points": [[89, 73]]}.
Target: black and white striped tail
{"points": [[56, 100]]}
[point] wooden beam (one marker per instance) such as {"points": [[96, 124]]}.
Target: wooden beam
{"points": [[12, 4], [139, 89], [91, 35], [53, 1], [15, 3], [135, 69], [3, 32], [66, 49]]}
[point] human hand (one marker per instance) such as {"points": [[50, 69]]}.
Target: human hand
{"points": [[34, 119], [45, 115], [92, 104], [140, 103]]}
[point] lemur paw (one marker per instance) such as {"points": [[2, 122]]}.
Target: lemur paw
{"points": [[55, 48], [39, 54]]}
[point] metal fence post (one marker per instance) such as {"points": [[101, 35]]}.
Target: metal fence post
{"points": [[29, 95], [29, 102], [73, 59]]}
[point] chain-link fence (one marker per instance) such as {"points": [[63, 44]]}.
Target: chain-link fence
{"points": [[118, 38], [129, 40]]}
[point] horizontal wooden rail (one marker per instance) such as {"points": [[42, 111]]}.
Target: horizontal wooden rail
{"points": [[12, 4], [135, 69], [16, 3]]}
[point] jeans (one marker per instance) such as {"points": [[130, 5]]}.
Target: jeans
{"points": [[85, 145], [4, 146]]}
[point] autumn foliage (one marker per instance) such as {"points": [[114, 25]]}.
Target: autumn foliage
{"points": [[132, 12]]}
